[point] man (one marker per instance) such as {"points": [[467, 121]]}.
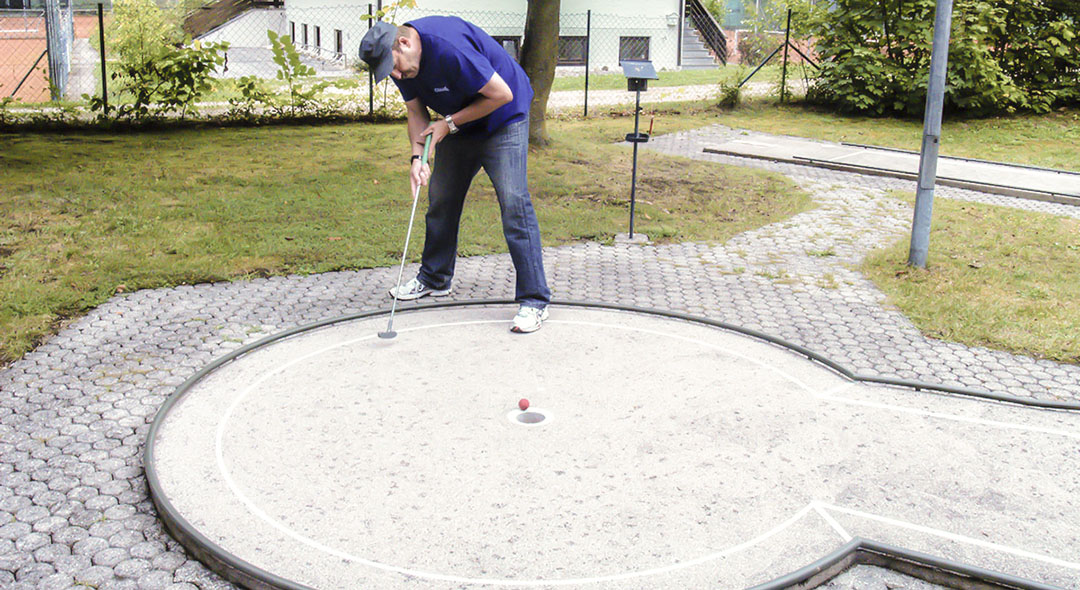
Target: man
{"points": [[455, 69]]}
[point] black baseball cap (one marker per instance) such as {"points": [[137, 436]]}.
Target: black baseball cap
{"points": [[375, 49]]}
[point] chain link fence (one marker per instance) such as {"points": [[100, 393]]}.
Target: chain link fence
{"points": [[329, 37], [36, 51], [326, 37]]}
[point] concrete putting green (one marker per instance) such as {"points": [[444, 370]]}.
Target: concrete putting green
{"points": [[667, 454]]}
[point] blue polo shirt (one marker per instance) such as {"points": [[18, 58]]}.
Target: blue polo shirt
{"points": [[456, 60]]}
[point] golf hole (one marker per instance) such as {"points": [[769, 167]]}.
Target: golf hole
{"points": [[530, 418]]}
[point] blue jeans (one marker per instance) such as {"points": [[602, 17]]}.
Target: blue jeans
{"points": [[503, 156]]}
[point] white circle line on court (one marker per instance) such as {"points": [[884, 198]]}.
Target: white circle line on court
{"points": [[275, 523]]}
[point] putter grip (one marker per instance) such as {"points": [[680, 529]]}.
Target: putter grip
{"points": [[427, 147]]}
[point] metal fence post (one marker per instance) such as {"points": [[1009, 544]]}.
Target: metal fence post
{"points": [[370, 74], [52, 46], [101, 42], [935, 102], [682, 25], [588, 41], [787, 42]]}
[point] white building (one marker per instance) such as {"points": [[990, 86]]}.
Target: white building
{"points": [[597, 33]]}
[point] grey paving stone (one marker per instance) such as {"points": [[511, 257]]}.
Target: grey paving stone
{"points": [[59, 581], [94, 576], [51, 553], [31, 541], [89, 546], [34, 572], [155, 580], [132, 568], [72, 564], [119, 584], [110, 556]]}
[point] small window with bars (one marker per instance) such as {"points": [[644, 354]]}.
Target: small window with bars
{"points": [[571, 51], [633, 48]]}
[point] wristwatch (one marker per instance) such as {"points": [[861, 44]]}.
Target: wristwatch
{"points": [[450, 123]]}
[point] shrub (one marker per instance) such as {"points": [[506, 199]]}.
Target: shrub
{"points": [[755, 47], [293, 71], [730, 91], [1004, 56], [161, 74]]}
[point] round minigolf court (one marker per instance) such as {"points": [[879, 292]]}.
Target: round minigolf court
{"points": [[656, 452]]}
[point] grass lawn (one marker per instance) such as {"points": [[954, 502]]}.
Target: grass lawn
{"points": [[996, 277], [85, 216], [1051, 140]]}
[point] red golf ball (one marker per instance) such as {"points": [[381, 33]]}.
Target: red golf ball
{"points": [[523, 404]]}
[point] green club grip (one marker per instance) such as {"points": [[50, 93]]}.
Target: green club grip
{"points": [[427, 146]]}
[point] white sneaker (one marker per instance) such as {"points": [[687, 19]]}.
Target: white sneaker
{"points": [[415, 289], [529, 319]]}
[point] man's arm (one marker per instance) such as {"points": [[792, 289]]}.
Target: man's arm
{"points": [[419, 121], [493, 95]]}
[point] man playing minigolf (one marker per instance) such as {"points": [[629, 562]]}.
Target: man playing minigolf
{"points": [[455, 69]]}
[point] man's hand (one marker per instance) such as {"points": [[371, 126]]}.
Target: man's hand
{"points": [[420, 174], [437, 130]]}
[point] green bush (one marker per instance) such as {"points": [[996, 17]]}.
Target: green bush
{"points": [[1004, 56], [156, 66], [1037, 44], [730, 91], [292, 71], [755, 47]]}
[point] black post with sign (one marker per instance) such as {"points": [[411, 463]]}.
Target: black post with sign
{"points": [[638, 74]]}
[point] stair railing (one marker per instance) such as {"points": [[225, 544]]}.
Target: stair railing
{"points": [[707, 26]]}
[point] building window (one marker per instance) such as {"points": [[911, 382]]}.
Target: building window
{"points": [[292, 31], [512, 45], [318, 37], [571, 51], [305, 43], [633, 48], [339, 46]]}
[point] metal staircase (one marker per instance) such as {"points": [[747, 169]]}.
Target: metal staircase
{"points": [[703, 43]]}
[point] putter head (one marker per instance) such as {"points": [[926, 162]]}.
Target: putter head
{"points": [[387, 335]]}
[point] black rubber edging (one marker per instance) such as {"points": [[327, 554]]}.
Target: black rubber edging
{"points": [[936, 570], [243, 573]]}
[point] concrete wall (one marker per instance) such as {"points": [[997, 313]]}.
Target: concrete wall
{"points": [[249, 29]]}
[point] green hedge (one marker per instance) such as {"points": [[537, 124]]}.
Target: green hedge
{"points": [[1005, 55]]}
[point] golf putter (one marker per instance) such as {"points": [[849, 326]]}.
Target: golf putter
{"points": [[390, 333]]}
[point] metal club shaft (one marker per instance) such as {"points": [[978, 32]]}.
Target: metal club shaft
{"points": [[390, 333]]}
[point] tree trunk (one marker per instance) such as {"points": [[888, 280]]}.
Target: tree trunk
{"points": [[539, 52]]}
